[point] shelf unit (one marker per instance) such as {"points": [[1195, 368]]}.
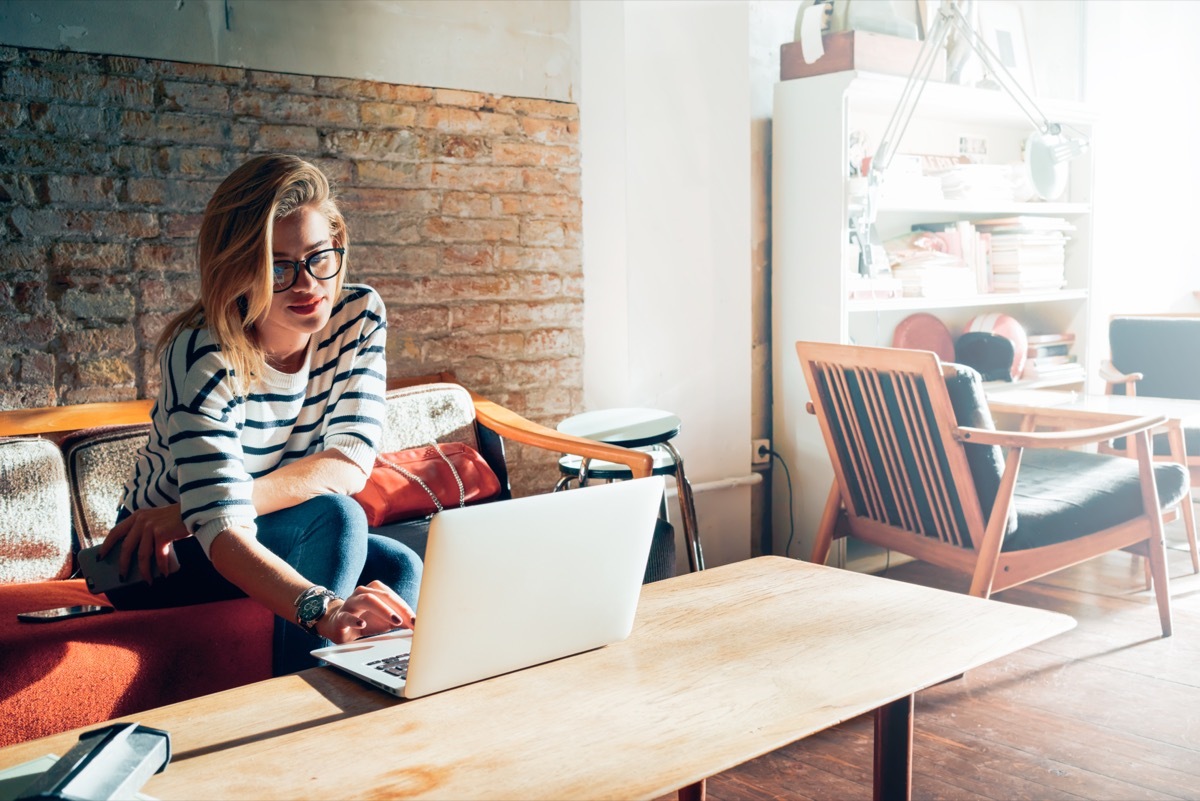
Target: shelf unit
{"points": [[812, 258]]}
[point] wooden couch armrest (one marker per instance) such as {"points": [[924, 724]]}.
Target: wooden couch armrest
{"points": [[51, 419], [513, 426]]}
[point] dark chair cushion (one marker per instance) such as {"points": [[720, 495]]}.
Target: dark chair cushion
{"points": [[990, 354], [1062, 495], [965, 387], [1163, 349]]}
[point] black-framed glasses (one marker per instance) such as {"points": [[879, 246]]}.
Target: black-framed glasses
{"points": [[322, 265]]}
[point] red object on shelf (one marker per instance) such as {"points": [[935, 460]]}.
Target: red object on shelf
{"points": [[923, 331], [1007, 327]]}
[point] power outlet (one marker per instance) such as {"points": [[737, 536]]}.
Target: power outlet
{"points": [[760, 451]]}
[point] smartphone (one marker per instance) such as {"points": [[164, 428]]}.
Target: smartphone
{"points": [[103, 575], [62, 613]]}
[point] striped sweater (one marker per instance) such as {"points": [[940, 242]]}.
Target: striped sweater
{"points": [[208, 442]]}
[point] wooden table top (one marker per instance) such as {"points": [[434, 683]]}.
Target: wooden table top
{"points": [[1184, 410], [723, 665]]}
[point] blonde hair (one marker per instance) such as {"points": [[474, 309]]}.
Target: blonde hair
{"points": [[234, 253]]}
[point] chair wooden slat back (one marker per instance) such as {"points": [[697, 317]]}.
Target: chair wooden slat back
{"points": [[887, 421]]}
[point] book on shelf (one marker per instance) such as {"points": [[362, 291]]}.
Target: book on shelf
{"points": [[1042, 351], [1041, 362], [1069, 371], [1066, 337]]}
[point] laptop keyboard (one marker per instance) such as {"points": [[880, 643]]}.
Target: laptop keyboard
{"points": [[393, 665]]}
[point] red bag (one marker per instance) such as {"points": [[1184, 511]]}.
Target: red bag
{"points": [[420, 481]]}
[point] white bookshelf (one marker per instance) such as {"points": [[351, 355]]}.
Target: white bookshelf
{"points": [[812, 258]]}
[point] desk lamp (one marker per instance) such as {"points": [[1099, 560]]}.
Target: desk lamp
{"points": [[1047, 150]]}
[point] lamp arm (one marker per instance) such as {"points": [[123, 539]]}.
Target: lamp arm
{"points": [[1006, 79]]}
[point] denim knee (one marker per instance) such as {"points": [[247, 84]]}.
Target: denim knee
{"points": [[395, 564]]}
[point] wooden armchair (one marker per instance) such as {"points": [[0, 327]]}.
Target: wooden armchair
{"points": [[920, 468]]}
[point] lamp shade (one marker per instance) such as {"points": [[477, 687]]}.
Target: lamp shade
{"points": [[1046, 157]]}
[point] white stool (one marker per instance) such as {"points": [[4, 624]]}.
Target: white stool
{"points": [[644, 429]]}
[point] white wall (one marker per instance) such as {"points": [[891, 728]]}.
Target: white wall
{"points": [[523, 48], [1142, 68], [664, 120]]}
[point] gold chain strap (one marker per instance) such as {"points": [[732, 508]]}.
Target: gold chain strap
{"points": [[411, 476]]}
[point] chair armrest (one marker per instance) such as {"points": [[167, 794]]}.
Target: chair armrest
{"points": [[1123, 426], [513, 426], [1112, 375]]}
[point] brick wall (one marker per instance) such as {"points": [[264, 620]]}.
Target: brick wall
{"points": [[463, 209]]}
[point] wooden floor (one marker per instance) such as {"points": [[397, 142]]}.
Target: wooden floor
{"points": [[1107, 711]]}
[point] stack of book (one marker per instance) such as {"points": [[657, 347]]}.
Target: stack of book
{"points": [[969, 246], [1028, 254], [1050, 358]]}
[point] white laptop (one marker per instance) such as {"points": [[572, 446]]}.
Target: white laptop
{"points": [[512, 584]]}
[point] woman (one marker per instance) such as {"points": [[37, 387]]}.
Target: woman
{"points": [[267, 421]]}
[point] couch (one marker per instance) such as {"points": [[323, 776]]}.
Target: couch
{"points": [[61, 473]]}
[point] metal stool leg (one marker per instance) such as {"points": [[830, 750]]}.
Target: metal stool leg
{"points": [[687, 510]]}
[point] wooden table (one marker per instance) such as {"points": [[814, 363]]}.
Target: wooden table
{"points": [[724, 665], [1180, 413]]}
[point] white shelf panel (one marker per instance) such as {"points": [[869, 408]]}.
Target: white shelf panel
{"points": [[971, 301], [960, 209]]}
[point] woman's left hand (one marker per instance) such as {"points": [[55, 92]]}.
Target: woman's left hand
{"points": [[146, 536], [371, 609]]}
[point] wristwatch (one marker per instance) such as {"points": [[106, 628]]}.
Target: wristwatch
{"points": [[311, 606]]}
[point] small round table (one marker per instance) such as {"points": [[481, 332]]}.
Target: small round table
{"points": [[644, 429]]}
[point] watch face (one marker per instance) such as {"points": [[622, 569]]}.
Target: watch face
{"points": [[312, 608]]}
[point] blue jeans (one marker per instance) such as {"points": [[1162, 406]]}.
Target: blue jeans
{"points": [[325, 539]]}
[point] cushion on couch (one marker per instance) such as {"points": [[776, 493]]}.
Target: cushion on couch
{"points": [[99, 462], [428, 413], [35, 511]]}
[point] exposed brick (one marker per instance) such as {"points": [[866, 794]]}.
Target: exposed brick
{"points": [[163, 296], [80, 190], [553, 342], [448, 229], [524, 154], [193, 97], [12, 114], [413, 320], [101, 341], [366, 200], [564, 206], [540, 260], [26, 397], [458, 97], [201, 72], [125, 65], [104, 394], [388, 115], [393, 93], [190, 195], [450, 119], [112, 258], [395, 229], [468, 259], [452, 349], [98, 305], [463, 148], [537, 108], [173, 127], [555, 313], [297, 109], [551, 233], [201, 161], [287, 139], [67, 121], [483, 317], [472, 178], [375, 260], [386, 173], [281, 82], [381, 145], [180, 226], [144, 191], [71, 224], [552, 132], [163, 257], [36, 368], [469, 204], [548, 181]]}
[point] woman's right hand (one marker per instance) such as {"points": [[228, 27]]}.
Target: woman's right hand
{"points": [[371, 609], [146, 535]]}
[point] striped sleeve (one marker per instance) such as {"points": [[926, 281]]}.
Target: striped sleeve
{"points": [[354, 416], [204, 426]]}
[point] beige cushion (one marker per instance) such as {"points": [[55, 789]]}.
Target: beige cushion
{"points": [[99, 462], [35, 512], [428, 413]]}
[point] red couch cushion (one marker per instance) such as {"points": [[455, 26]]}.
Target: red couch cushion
{"points": [[68, 673]]}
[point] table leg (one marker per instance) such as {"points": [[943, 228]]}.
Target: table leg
{"points": [[1179, 455], [893, 750], [694, 792]]}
